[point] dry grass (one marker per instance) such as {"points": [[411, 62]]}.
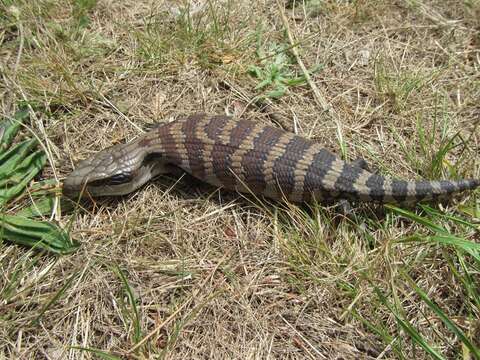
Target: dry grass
{"points": [[182, 270]]}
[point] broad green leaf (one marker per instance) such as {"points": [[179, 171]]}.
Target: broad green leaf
{"points": [[9, 128], [43, 200], [28, 169], [36, 160], [38, 234], [39, 208], [19, 164], [14, 156]]}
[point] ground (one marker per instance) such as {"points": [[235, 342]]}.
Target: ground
{"points": [[181, 270]]}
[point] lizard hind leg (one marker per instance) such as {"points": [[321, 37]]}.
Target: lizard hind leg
{"points": [[363, 164], [344, 207]]}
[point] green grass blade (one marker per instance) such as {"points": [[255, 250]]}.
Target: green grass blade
{"points": [[133, 303], [380, 331], [469, 282], [13, 278], [435, 213], [442, 236], [101, 354], [418, 219], [468, 246], [54, 298], [448, 323], [408, 327]]}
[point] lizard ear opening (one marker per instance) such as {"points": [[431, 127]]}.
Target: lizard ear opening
{"points": [[153, 157], [158, 165]]}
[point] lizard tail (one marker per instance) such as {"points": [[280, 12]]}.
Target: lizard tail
{"points": [[400, 191]]}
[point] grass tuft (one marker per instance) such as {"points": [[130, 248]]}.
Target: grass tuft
{"points": [[133, 313], [81, 8], [275, 75]]}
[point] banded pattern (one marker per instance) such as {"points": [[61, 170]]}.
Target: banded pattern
{"points": [[245, 156]]}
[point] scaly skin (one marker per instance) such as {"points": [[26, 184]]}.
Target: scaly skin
{"points": [[248, 157]]}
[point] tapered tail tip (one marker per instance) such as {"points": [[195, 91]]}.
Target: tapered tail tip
{"points": [[467, 184]]}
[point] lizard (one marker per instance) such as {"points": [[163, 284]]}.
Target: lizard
{"points": [[247, 157]]}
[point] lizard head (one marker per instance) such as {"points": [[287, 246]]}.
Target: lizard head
{"points": [[117, 170]]}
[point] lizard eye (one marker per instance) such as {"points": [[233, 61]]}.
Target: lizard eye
{"points": [[116, 179]]}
